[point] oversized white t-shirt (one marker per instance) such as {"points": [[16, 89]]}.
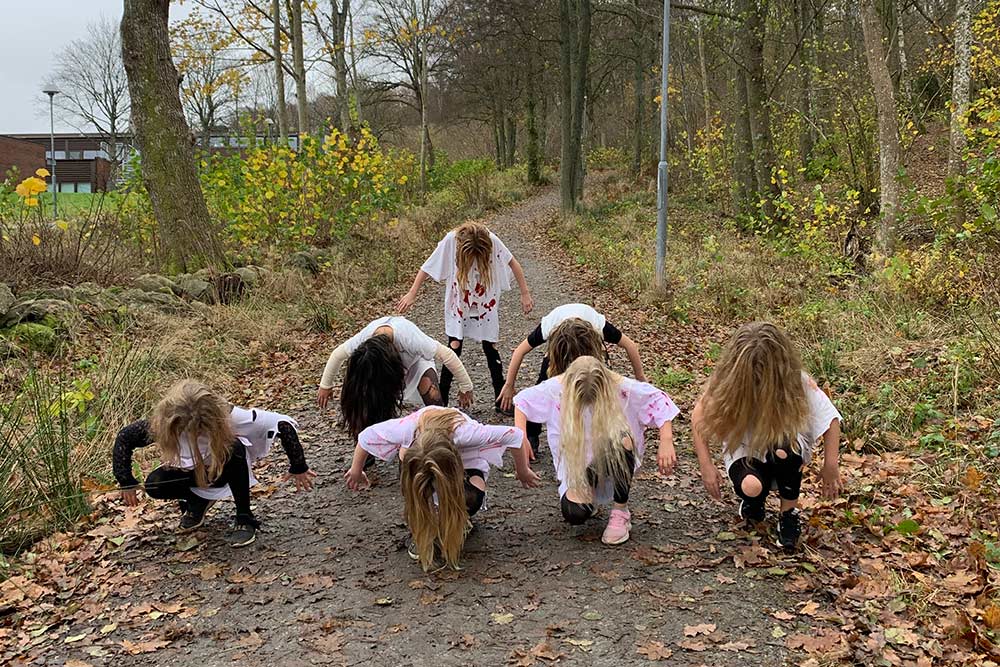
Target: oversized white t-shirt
{"points": [[644, 406], [481, 446], [822, 412], [567, 311], [474, 312]]}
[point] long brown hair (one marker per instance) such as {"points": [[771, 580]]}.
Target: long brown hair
{"points": [[571, 339], [191, 409], [474, 247], [433, 465], [756, 393], [589, 384]]}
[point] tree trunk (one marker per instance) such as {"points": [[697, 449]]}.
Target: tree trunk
{"points": [[744, 147], [531, 122], [760, 111], [338, 18], [686, 107], [279, 73], [888, 129], [356, 95], [421, 60], [807, 133], [500, 132], [511, 155], [299, 67], [574, 19], [638, 88], [706, 98], [905, 85], [189, 237], [960, 88]]}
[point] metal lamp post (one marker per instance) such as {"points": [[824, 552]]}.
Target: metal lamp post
{"points": [[661, 170], [51, 92]]}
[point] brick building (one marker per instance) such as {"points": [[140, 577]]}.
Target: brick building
{"points": [[24, 156], [83, 161]]}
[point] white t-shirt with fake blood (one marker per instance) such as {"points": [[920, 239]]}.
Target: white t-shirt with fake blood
{"points": [[473, 312]]}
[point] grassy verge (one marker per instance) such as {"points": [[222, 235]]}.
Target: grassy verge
{"points": [[60, 411], [915, 376]]}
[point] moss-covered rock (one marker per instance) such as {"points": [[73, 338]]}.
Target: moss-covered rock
{"points": [[250, 275], [63, 293], [198, 289], [34, 336], [305, 262], [38, 310], [165, 300], [153, 282], [6, 299]]}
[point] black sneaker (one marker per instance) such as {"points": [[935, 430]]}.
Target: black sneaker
{"points": [[752, 513], [194, 516], [244, 533], [789, 529], [501, 411]]}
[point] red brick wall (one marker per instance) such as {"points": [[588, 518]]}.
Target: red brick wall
{"points": [[25, 155]]}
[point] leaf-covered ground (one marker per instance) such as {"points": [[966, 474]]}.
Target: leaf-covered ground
{"points": [[329, 581]]}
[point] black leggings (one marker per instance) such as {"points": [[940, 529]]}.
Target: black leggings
{"points": [[168, 483], [785, 472], [474, 496], [492, 361], [577, 513]]}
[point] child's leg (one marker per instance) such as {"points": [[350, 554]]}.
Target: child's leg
{"points": [[495, 365], [533, 430], [430, 390], [446, 376], [475, 490], [166, 483], [751, 480], [787, 468], [573, 511], [236, 474]]}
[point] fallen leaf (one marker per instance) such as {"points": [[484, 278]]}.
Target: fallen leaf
{"points": [[736, 646], [135, 648], [692, 645], [592, 615], [502, 619], [695, 630], [384, 602], [654, 650]]}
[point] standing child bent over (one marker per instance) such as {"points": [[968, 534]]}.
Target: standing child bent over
{"points": [[476, 267], [766, 414]]}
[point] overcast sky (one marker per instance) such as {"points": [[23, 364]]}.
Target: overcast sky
{"points": [[30, 35]]}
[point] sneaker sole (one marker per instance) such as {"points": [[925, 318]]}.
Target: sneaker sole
{"points": [[237, 545], [182, 531], [623, 539], [778, 543]]}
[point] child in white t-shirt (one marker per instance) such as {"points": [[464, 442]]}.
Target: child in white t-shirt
{"points": [[767, 414], [475, 267], [389, 362]]}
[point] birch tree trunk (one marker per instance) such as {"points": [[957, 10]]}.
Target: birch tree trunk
{"points": [[280, 109], [705, 97], [905, 85], [338, 19], [424, 131], [960, 88], [807, 133], [299, 67], [888, 127], [189, 238]]}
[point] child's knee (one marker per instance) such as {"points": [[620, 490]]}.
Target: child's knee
{"points": [[474, 499], [455, 345], [751, 486], [575, 513], [155, 484]]}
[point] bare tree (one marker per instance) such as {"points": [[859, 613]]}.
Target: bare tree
{"points": [[187, 232], [94, 88], [888, 126], [960, 98], [574, 21], [332, 28]]}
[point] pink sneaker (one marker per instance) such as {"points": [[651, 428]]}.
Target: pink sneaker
{"points": [[618, 526]]}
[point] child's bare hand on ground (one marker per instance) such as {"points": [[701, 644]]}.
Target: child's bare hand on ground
{"points": [[303, 481], [465, 399], [666, 459], [711, 479], [833, 485], [357, 480], [506, 397], [323, 397], [527, 304], [528, 478], [130, 497], [406, 302]]}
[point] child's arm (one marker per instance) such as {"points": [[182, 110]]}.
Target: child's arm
{"points": [[522, 469], [666, 457], [298, 469], [129, 439], [527, 305], [330, 373], [406, 301], [447, 358], [833, 485], [355, 476], [507, 393], [632, 350], [709, 473]]}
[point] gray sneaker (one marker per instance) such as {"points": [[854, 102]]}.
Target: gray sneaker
{"points": [[194, 517], [243, 534]]}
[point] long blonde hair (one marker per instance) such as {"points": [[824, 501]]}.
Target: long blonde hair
{"points": [[756, 396], [590, 385], [474, 247], [433, 465], [191, 409]]}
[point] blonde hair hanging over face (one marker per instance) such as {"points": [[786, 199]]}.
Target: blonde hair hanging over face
{"points": [[433, 465], [191, 409], [474, 247], [589, 385], [756, 393]]}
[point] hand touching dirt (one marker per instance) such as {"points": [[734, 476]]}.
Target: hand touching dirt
{"points": [[833, 485], [130, 497], [323, 398], [303, 481], [711, 479]]}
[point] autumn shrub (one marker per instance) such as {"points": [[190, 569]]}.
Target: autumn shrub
{"points": [[607, 157]]}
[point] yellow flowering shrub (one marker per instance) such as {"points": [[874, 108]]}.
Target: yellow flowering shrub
{"points": [[273, 196]]}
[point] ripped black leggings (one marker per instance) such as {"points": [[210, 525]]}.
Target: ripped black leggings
{"points": [[576, 513], [781, 467], [474, 496], [492, 362]]}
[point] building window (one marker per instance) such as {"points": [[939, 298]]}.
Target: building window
{"points": [[83, 187]]}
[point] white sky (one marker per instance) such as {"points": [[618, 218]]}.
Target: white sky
{"points": [[31, 33]]}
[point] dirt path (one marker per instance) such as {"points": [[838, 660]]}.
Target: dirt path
{"points": [[329, 581]]}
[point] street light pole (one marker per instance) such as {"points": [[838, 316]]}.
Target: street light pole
{"points": [[661, 170], [51, 92]]}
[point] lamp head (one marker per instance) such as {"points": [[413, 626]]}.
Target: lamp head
{"points": [[51, 92]]}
